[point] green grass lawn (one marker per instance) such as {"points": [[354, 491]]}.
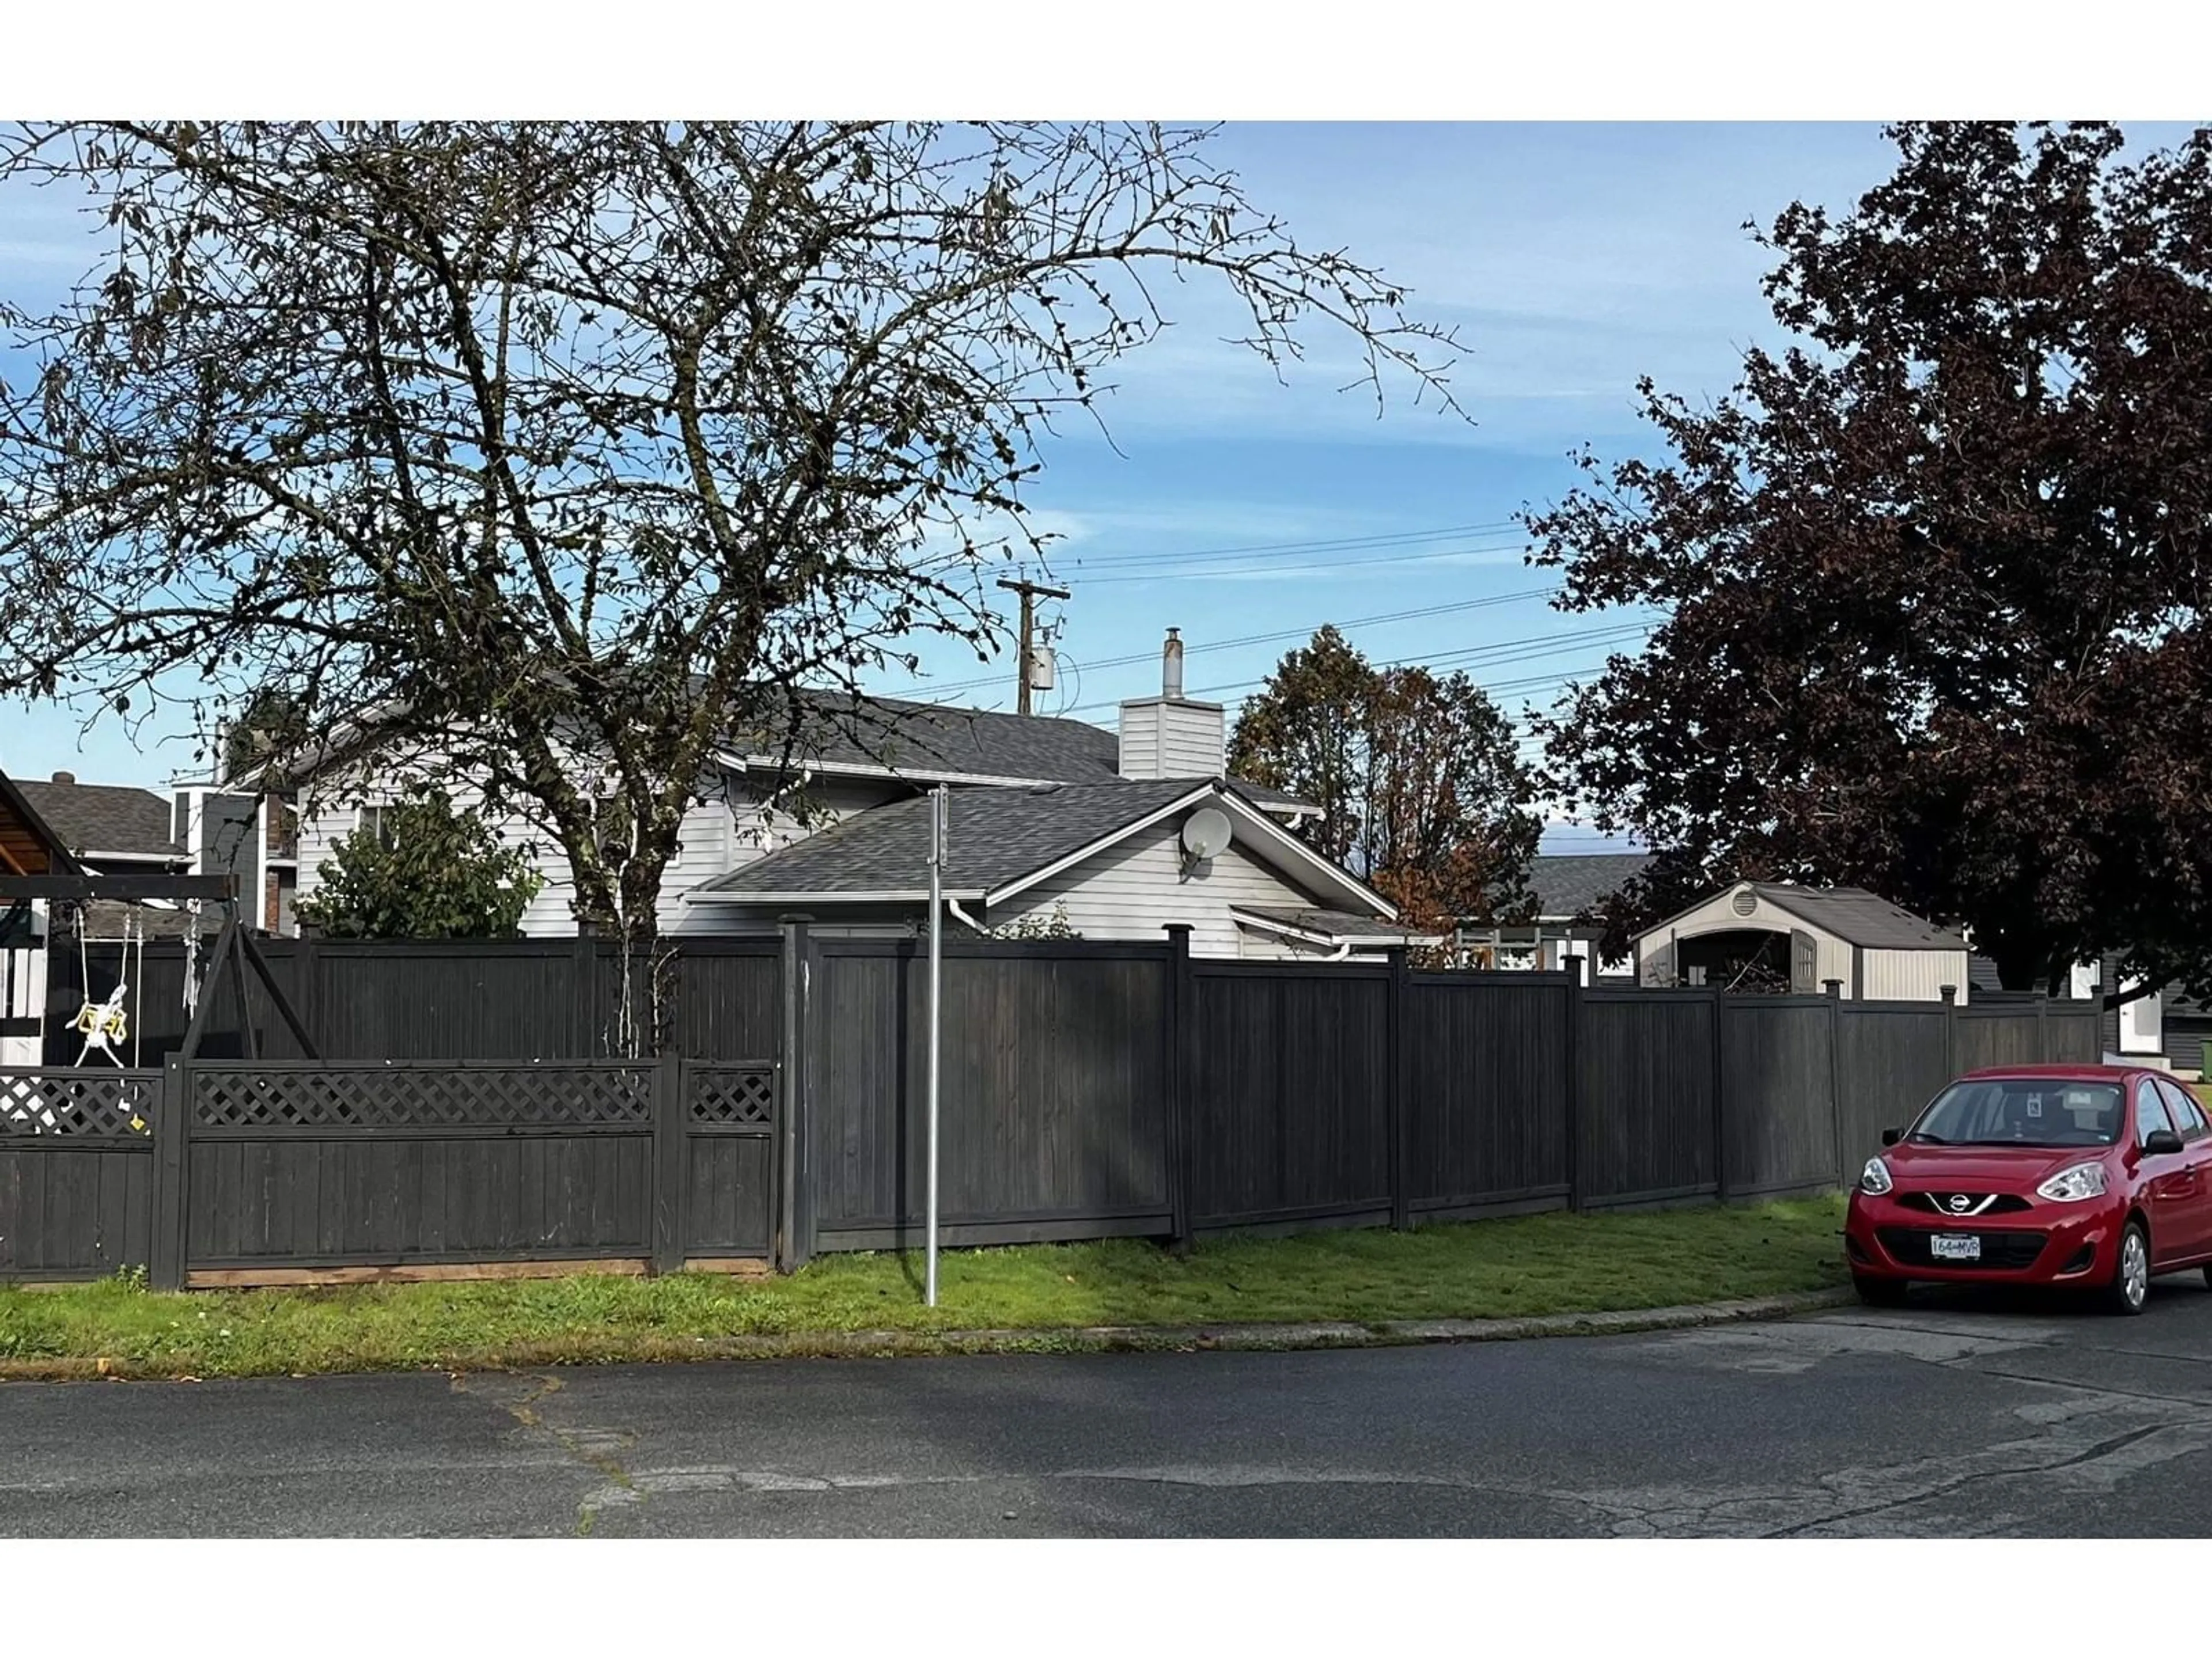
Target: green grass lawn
{"points": [[1546, 1264]]}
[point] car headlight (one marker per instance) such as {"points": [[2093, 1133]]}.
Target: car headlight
{"points": [[2071, 1186], [1874, 1178]]}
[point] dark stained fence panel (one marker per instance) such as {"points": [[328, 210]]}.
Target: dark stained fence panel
{"points": [[1986, 1037], [2074, 1034], [1291, 1104], [1646, 1104], [728, 1000], [300, 1164], [1778, 1122], [496, 1001], [1892, 1058], [76, 1171], [1488, 1088], [729, 1135], [1054, 1093]]}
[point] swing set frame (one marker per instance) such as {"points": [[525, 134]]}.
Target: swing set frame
{"points": [[234, 957]]}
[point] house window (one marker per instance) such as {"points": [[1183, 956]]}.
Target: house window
{"points": [[377, 822]]}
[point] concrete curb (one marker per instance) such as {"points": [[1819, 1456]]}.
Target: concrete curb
{"points": [[1090, 1339], [1276, 1339]]}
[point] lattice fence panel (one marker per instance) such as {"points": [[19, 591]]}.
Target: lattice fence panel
{"points": [[80, 1102], [729, 1097], [442, 1098]]}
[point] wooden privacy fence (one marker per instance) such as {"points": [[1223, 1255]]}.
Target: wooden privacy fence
{"points": [[528, 999], [226, 1172], [1090, 1091]]}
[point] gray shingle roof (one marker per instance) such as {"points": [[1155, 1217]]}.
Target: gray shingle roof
{"points": [[1566, 884], [925, 739], [997, 835], [1858, 917], [920, 737], [1334, 924], [99, 818]]}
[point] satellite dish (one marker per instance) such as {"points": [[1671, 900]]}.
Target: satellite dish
{"points": [[1206, 834]]}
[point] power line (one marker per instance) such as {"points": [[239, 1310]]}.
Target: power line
{"points": [[1501, 651], [1226, 571], [1418, 611], [1340, 544]]}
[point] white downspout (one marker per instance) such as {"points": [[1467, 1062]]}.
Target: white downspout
{"points": [[965, 919]]}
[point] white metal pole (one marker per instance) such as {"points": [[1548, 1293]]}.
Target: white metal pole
{"points": [[939, 814]]}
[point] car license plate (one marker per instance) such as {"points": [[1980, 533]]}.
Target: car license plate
{"points": [[1955, 1247]]}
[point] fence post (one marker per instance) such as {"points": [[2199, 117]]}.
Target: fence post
{"points": [[1401, 1091], [1950, 994], [1720, 1096], [172, 1169], [1577, 990], [1836, 1079], [794, 1243], [669, 1160], [1182, 1029], [584, 993], [2043, 1029]]}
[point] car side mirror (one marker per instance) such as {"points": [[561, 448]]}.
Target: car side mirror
{"points": [[1890, 1137], [2158, 1142]]}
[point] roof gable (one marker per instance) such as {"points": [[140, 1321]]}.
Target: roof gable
{"points": [[1849, 914], [1002, 841], [29, 846]]}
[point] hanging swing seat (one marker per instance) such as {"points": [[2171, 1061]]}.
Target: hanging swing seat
{"points": [[103, 1024]]}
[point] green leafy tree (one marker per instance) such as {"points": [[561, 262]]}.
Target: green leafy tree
{"points": [[422, 870], [1418, 777], [1934, 577]]}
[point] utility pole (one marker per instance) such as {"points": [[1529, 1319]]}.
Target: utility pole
{"points": [[1030, 592]]}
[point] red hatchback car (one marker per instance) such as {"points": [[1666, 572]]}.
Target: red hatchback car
{"points": [[2095, 1176]]}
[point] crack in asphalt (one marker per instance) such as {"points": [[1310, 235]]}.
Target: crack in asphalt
{"points": [[1841, 1499], [2102, 1449], [594, 1449], [2079, 1407]]}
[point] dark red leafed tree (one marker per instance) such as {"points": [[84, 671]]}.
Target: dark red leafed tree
{"points": [[1933, 575]]}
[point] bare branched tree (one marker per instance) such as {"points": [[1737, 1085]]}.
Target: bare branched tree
{"points": [[566, 451]]}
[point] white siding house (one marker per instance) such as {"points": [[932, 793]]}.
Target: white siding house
{"points": [[861, 760]]}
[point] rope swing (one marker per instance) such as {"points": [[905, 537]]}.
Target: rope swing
{"points": [[106, 1024]]}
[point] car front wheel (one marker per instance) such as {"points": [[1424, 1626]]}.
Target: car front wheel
{"points": [[2130, 1286]]}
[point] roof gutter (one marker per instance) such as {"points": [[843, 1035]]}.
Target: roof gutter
{"points": [[898, 896]]}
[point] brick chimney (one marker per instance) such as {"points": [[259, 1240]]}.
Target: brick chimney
{"points": [[1170, 736]]}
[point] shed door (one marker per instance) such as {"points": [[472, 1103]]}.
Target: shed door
{"points": [[1804, 963]]}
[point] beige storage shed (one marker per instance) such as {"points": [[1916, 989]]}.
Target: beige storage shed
{"points": [[1774, 936]]}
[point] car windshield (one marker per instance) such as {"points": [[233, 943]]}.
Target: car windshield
{"points": [[2022, 1112]]}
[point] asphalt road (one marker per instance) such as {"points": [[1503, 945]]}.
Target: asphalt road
{"points": [[1951, 1418]]}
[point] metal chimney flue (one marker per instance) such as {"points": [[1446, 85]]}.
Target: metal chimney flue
{"points": [[1171, 666]]}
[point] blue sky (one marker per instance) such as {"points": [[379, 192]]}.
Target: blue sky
{"points": [[1572, 259]]}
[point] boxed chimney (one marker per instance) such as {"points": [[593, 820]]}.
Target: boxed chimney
{"points": [[1170, 736]]}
